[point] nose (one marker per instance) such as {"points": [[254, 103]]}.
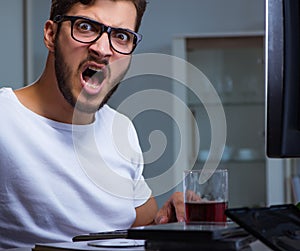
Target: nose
{"points": [[101, 48]]}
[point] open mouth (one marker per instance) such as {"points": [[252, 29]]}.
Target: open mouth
{"points": [[93, 77]]}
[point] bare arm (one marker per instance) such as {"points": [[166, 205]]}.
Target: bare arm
{"points": [[146, 213]]}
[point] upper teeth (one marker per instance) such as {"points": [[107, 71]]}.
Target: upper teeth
{"points": [[94, 68]]}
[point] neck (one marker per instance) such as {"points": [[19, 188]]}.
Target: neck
{"points": [[44, 98]]}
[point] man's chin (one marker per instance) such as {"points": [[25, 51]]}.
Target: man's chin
{"points": [[86, 108], [91, 106]]}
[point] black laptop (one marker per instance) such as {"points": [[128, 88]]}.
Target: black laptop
{"points": [[276, 226], [194, 236]]}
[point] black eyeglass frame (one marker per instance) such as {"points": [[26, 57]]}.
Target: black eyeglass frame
{"points": [[104, 28]]}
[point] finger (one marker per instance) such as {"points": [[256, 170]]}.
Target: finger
{"points": [[161, 220], [162, 216], [178, 203], [172, 210]]}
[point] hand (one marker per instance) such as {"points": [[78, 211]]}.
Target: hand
{"points": [[191, 196], [172, 210]]}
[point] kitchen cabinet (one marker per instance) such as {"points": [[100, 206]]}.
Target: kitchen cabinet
{"points": [[234, 64]]}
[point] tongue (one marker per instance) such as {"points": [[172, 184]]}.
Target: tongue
{"points": [[99, 76]]}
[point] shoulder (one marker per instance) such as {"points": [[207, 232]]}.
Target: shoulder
{"points": [[8, 99], [111, 116], [116, 123], [6, 92]]}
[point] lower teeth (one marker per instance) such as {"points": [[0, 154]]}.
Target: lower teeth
{"points": [[91, 85]]}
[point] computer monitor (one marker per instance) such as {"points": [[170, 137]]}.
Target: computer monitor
{"points": [[282, 78]]}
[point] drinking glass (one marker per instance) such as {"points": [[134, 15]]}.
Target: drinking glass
{"points": [[205, 195]]}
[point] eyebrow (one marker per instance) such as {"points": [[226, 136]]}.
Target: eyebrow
{"points": [[94, 20]]}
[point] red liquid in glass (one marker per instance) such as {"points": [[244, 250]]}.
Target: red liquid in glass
{"points": [[208, 211]]}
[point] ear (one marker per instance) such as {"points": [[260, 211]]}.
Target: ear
{"points": [[50, 30]]}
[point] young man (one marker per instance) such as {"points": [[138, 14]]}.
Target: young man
{"points": [[61, 173]]}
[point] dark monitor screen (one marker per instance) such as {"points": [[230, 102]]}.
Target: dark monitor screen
{"points": [[282, 78]]}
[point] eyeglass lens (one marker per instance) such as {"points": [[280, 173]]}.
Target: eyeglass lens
{"points": [[86, 31]]}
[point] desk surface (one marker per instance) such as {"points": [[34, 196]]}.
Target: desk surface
{"points": [[255, 246]]}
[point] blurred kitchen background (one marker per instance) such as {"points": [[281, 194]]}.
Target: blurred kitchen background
{"points": [[222, 38]]}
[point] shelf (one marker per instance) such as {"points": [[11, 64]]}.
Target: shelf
{"points": [[199, 105], [234, 161]]}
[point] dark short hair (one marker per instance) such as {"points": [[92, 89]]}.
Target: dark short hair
{"points": [[61, 7]]}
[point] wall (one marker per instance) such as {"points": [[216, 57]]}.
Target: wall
{"points": [[11, 49], [38, 12], [166, 18]]}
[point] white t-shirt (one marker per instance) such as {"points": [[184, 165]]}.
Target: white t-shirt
{"points": [[59, 180]]}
